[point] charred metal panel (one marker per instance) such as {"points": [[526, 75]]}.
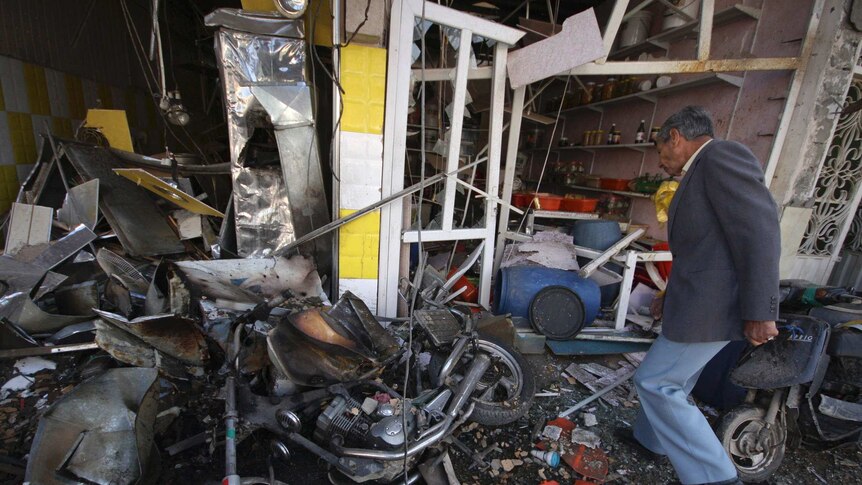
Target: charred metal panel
{"points": [[140, 225], [278, 186], [101, 432]]}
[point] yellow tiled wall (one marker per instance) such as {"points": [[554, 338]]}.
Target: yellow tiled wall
{"points": [[33, 97], [358, 246], [363, 76]]}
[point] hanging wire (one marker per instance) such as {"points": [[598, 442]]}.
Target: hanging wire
{"points": [[359, 27], [140, 55], [420, 268]]}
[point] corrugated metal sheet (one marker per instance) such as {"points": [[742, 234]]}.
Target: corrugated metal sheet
{"points": [[848, 271], [811, 268]]}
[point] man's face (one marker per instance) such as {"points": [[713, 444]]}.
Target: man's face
{"points": [[671, 155]]}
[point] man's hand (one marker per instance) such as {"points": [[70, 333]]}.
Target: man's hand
{"points": [[760, 331], [656, 308]]}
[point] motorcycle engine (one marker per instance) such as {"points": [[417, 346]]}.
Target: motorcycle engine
{"points": [[345, 420]]}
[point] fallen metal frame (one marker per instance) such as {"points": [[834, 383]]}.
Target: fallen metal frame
{"points": [[402, 21]]}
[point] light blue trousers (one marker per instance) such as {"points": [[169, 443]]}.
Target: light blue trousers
{"points": [[667, 424]]}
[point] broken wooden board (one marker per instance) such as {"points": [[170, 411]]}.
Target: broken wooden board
{"points": [[579, 43]]}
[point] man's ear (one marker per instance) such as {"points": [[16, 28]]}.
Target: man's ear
{"points": [[674, 136]]}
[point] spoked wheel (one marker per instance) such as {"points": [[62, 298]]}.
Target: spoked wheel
{"points": [[755, 449], [506, 390]]}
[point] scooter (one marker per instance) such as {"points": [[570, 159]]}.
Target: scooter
{"points": [[341, 368], [804, 388]]}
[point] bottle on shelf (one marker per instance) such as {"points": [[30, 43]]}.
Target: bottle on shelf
{"points": [[611, 133], [640, 135], [608, 88], [617, 137], [598, 137], [587, 93]]}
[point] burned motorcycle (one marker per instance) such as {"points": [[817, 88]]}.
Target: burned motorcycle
{"points": [[336, 362], [804, 388]]}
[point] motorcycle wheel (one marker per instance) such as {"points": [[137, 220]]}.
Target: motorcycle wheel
{"points": [[505, 392], [755, 456]]}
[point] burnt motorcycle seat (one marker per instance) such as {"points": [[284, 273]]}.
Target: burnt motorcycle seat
{"points": [[790, 359], [845, 342]]}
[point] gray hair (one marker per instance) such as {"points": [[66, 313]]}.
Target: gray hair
{"points": [[691, 122]]}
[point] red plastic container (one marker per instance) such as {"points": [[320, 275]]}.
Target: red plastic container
{"points": [[614, 184], [521, 199], [471, 294], [579, 205], [547, 202]]}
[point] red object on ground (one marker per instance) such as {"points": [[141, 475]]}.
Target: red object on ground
{"points": [[471, 294], [579, 205], [663, 267], [614, 184], [549, 482], [589, 462]]}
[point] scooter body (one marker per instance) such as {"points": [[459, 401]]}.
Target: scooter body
{"points": [[803, 388]]}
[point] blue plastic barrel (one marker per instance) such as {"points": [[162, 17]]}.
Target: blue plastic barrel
{"points": [[516, 287], [599, 235], [596, 234]]}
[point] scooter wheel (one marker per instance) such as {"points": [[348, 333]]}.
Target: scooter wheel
{"points": [[755, 448]]}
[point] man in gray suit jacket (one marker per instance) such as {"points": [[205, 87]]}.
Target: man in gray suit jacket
{"points": [[724, 236]]}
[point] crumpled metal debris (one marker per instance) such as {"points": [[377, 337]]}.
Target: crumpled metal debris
{"points": [[145, 341], [252, 281], [101, 432], [278, 191]]}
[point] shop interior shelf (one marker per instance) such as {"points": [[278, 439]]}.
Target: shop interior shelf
{"points": [[653, 94], [638, 147], [618, 192], [661, 41]]}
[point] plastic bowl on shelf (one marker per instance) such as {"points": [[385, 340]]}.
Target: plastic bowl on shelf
{"points": [[521, 200], [579, 205], [614, 184], [547, 202]]}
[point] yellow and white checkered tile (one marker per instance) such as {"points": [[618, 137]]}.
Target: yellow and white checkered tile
{"points": [[32, 97], [363, 76], [57, 93], [14, 85]]}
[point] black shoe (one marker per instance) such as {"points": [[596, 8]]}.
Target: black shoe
{"points": [[627, 436]]}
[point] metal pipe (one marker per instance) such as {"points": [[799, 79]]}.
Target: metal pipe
{"points": [[311, 446], [610, 387], [774, 405], [480, 364], [441, 429], [356, 215], [454, 357], [230, 432]]}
